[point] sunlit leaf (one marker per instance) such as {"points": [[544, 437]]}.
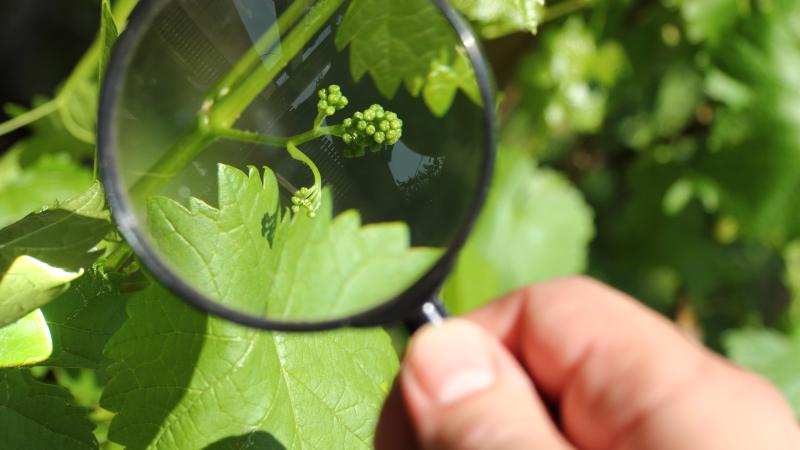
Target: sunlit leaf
{"points": [[26, 341]]}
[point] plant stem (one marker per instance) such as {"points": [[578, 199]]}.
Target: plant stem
{"points": [[297, 154], [227, 110], [29, 116], [252, 57], [277, 141], [85, 66], [563, 8], [183, 152], [217, 114]]}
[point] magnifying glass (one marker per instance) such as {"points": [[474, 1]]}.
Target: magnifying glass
{"points": [[298, 165]]}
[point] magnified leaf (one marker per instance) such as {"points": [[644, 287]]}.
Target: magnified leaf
{"points": [[38, 415], [311, 268], [26, 341], [406, 42], [446, 78], [499, 17]]}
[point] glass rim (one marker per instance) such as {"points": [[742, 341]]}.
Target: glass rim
{"points": [[391, 309]]}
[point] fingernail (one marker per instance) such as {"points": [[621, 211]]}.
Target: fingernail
{"points": [[450, 361]]}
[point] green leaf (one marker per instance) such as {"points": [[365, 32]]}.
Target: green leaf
{"points": [[39, 416], [182, 379], [535, 226], [771, 354], [28, 284], [444, 81], [108, 35], [26, 341], [308, 269], [83, 319], [63, 235], [393, 40], [51, 178], [406, 42], [496, 18]]}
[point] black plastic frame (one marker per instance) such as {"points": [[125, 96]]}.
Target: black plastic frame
{"points": [[405, 305]]}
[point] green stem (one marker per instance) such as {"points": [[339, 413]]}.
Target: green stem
{"points": [[29, 117], [277, 141], [252, 58], [297, 154], [171, 163], [228, 109], [251, 137], [118, 256], [564, 8], [85, 67], [218, 114]]}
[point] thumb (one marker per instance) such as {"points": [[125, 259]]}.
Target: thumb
{"points": [[463, 390]]}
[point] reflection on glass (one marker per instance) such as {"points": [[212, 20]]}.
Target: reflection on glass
{"points": [[274, 182]]}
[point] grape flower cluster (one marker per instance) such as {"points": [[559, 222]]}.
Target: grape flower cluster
{"points": [[372, 129]]}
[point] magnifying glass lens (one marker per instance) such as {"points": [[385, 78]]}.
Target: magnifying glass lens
{"points": [[275, 159]]}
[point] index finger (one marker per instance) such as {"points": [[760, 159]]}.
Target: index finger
{"points": [[620, 372]]}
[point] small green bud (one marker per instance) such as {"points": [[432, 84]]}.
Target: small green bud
{"points": [[384, 125], [330, 110], [347, 122], [379, 137], [295, 209], [370, 129], [361, 125]]}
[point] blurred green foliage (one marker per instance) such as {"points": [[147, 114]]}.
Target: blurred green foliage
{"points": [[680, 122]]}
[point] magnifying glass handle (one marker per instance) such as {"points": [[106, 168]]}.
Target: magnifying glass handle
{"points": [[432, 311]]}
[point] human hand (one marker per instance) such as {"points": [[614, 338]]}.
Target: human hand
{"points": [[617, 376]]}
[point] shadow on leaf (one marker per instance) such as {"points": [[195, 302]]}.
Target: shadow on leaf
{"points": [[258, 440]]}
